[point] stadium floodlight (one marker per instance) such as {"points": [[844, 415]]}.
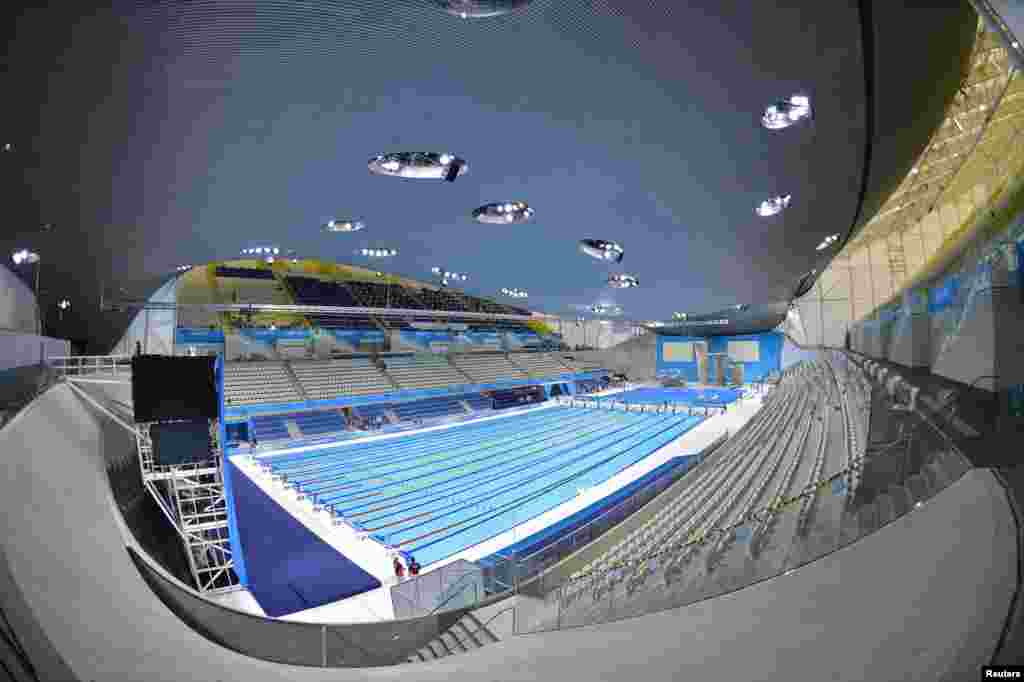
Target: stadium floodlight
{"points": [[8, 147], [602, 249], [502, 213], [827, 242], [623, 281], [184, 268], [773, 206], [514, 293], [418, 165], [64, 304], [679, 316], [787, 112], [276, 250], [343, 225], [25, 256]]}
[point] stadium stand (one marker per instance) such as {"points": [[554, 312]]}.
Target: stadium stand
{"points": [[325, 379], [440, 299], [540, 365], [774, 456], [310, 291], [244, 273], [373, 410], [431, 408], [258, 382], [479, 402], [488, 368], [423, 372], [319, 422], [270, 427], [252, 290]]}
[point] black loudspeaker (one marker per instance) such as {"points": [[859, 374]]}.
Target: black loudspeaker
{"points": [[453, 171], [166, 388]]}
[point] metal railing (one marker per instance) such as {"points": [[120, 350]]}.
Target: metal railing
{"points": [[92, 365]]}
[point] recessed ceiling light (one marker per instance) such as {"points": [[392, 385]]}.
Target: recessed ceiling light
{"points": [[773, 206]]}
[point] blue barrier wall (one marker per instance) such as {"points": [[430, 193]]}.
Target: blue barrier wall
{"points": [[288, 568]]}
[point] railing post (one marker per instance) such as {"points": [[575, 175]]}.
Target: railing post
{"points": [[323, 644]]}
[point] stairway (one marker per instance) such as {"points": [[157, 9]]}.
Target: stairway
{"points": [[467, 634], [469, 379], [296, 384]]}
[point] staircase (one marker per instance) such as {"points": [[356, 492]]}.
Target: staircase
{"points": [[469, 379], [296, 384], [382, 368], [467, 634]]}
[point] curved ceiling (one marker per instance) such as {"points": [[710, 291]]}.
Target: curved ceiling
{"points": [[168, 133]]}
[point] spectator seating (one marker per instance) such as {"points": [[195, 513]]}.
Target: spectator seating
{"points": [[540, 365], [796, 439], [326, 379], [258, 382], [485, 369], [441, 299], [319, 422], [423, 372], [373, 410], [479, 402], [244, 273], [270, 427], [311, 291], [429, 409], [370, 294]]}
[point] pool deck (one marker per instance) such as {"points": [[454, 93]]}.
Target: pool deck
{"points": [[375, 558]]}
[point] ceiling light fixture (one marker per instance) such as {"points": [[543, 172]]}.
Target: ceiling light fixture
{"points": [[773, 206], [25, 256], [785, 113], [827, 242]]}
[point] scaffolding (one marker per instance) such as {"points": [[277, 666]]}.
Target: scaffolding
{"points": [[191, 497]]}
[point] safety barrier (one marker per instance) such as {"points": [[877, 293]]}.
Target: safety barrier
{"points": [[92, 365]]}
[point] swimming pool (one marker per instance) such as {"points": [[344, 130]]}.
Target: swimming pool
{"points": [[437, 493], [684, 396]]}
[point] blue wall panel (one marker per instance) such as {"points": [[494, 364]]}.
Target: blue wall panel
{"points": [[288, 567]]}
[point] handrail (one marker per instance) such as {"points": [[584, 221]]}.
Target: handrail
{"points": [[510, 607], [452, 595]]}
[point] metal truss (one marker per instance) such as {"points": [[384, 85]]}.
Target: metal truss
{"points": [[191, 497], [983, 102], [969, 164]]}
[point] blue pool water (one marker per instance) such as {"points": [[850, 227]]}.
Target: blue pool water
{"points": [[435, 494], [685, 396]]}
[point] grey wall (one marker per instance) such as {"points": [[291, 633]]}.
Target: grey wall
{"points": [[923, 598]]}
